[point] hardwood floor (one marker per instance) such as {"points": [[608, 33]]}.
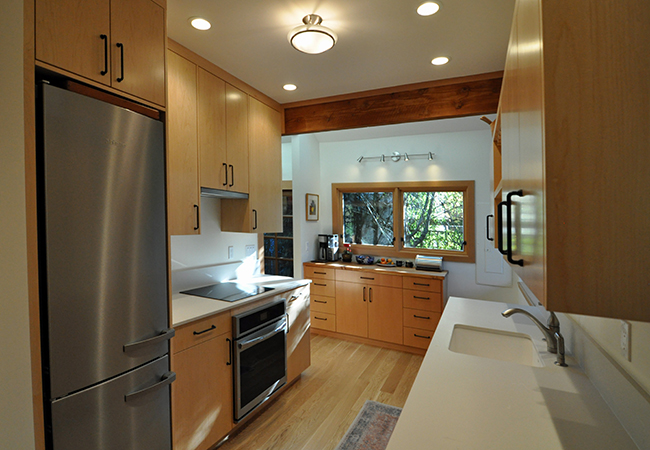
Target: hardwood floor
{"points": [[317, 410]]}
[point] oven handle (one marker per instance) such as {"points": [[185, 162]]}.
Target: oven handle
{"points": [[281, 325]]}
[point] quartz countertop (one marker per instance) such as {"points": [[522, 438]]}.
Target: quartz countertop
{"points": [[460, 401], [187, 308], [390, 269]]}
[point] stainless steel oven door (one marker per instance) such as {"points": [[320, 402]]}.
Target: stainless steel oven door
{"points": [[260, 366]]}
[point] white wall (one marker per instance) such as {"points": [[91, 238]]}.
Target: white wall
{"points": [[16, 415]]}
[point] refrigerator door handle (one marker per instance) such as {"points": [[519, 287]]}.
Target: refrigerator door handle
{"points": [[166, 379], [164, 336]]}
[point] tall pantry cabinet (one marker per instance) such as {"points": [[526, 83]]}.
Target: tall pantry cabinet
{"points": [[575, 134]]}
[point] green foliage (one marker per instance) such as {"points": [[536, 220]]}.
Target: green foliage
{"points": [[433, 220], [368, 218]]}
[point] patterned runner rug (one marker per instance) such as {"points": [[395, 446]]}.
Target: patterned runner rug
{"points": [[372, 427]]}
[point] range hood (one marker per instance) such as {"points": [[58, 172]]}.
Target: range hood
{"points": [[220, 193]]}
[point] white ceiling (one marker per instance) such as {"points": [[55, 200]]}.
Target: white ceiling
{"points": [[382, 43]]}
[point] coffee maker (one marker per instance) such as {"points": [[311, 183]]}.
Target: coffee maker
{"points": [[328, 247]]}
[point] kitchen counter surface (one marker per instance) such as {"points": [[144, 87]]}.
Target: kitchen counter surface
{"points": [[460, 401], [375, 267], [187, 308]]}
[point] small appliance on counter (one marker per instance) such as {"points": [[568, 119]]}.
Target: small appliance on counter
{"points": [[328, 247], [432, 263]]}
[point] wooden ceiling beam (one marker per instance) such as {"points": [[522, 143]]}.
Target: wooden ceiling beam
{"points": [[442, 99]]}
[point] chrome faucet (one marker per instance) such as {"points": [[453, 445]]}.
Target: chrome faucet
{"points": [[554, 340]]}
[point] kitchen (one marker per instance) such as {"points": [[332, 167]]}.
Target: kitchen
{"points": [[605, 332]]}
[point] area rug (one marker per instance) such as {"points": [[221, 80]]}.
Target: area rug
{"points": [[372, 427]]}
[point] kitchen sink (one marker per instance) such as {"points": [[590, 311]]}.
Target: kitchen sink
{"points": [[495, 344]]}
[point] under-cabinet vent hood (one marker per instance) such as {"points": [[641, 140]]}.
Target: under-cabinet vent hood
{"points": [[219, 193]]}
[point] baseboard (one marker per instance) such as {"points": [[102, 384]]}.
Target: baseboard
{"points": [[374, 343]]}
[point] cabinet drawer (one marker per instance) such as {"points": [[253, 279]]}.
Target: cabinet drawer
{"points": [[323, 321], [418, 318], [414, 337], [429, 301], [323, 287], [422, 284], [201, 330], [321, 273], [323, 304], [368, 277]]}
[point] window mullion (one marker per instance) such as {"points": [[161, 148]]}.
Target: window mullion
{"points": [[398, 219]]}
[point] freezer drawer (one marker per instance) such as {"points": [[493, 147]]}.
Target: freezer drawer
{"points": [[104, 417]]}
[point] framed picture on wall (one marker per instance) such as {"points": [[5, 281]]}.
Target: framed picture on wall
{"points": [[312, 206]]}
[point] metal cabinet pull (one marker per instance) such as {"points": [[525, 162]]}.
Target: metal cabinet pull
{"points": [[367, 278], [370, 295], [104, 38], [423, 337], [196, 333], [487, 227], [164, 336], [500, 227], [421, 298], [319, 318], [364, 293], [319, 301], [121, 47], [196, 208], [420, 284], [255, 213], [320, 284], [421, 317], [519, 193], [166, 380], [225, 172], [229, 363], [321, 273], [232, 177]]}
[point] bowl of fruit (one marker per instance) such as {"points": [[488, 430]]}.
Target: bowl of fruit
{"points": [[365, 259]]}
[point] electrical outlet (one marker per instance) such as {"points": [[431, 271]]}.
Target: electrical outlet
{"points": [[231, 252], [626, 341], [250, 250]]}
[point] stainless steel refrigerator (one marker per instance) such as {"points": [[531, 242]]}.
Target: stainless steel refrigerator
{"points": [[103, 275]]}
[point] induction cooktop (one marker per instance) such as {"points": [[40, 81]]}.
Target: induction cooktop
{"points": [[229, 292]]}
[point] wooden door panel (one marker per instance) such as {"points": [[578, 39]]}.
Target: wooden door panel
{"points": [[384, 314], [351, 309], [237, 138], [212, 130]]}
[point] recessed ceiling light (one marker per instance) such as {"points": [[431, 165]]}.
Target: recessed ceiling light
{"points": [[440, 60], [200, 24], [428, 9], [290, 87]]}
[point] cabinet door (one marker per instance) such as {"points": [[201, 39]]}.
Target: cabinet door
{"points": [[202, 395], [298, 335], [139, 64], [68, 36], [212, 131], [237, 138], [352, 308], [266, 164], [182, 149], [385, 314]]}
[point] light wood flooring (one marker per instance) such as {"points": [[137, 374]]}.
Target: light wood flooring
{"points": [[317, 410]]}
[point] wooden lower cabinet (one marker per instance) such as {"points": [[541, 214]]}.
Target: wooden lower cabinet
{"points": [[298, 334], [202, 394]]}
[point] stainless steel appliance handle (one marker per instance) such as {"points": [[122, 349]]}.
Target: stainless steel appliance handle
{"points": [[279, 326], [166, 379], [164, 336]]}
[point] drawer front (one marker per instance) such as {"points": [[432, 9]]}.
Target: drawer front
{"points": [[422, 284], [321, 273], [429, 301], [414, 337], [323, 287], [201, 330], [419, 318], [323, 321], [369, 277], [323, 304]]}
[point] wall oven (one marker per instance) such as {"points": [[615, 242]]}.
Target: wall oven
{"points": [[260, 355]]}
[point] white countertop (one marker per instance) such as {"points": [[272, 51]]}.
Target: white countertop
{"points": [[465, 402], [187, 308]]}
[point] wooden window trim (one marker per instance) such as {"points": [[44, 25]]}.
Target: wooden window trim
{"points": [[397, 250]]}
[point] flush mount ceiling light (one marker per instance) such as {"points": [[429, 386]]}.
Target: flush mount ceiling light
{"points": [[312, 37], [428, 9], [440, 60], [289, 87], [199, 23]]}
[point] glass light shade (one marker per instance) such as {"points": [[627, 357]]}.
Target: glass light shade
{"points": [[312, 37]]}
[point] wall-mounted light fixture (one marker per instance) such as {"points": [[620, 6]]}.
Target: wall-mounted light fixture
{"points": [[312, 37], [397, 156]]}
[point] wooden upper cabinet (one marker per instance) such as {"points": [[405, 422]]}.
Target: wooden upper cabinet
{"points": [[237, 138], [265, 165], [212, 131], [182, 147], [68, 36], [574, 140], [139, 63], [82, 38]]}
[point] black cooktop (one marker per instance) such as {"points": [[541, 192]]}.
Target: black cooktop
{"points": [[229, 292]]}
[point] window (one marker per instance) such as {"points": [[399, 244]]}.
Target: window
{"points": [[407, 219], [278, 247]]}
